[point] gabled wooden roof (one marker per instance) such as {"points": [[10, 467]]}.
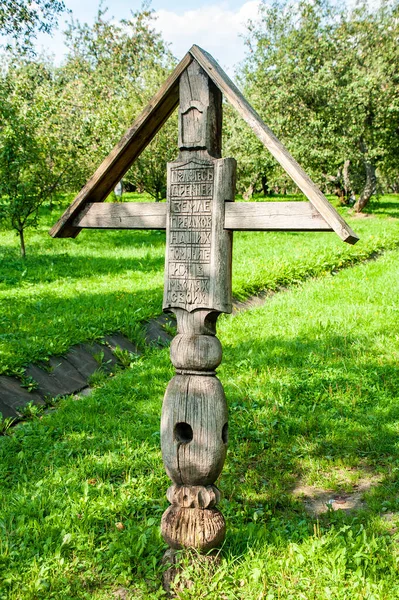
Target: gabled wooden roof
{"points": [[135, 140]]}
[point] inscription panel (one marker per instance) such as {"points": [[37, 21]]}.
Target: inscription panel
{"points": [[198, 249], [189, 232]]}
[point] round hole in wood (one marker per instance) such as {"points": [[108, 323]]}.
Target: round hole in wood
{"points": [[183, 433], [225, 433]]}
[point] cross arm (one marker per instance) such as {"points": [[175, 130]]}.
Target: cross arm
{"points": [[239, 216], [124, 215], [273, 216]]}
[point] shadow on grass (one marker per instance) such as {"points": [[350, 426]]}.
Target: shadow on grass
{"points": [[386, 207], [53, 267], [328, 412], [96, 462], [35, 327]]}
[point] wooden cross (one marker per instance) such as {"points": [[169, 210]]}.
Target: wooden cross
{"points": [[199, 217]]}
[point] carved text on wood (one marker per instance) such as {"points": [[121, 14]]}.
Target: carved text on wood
{"points": [[195, 222]]}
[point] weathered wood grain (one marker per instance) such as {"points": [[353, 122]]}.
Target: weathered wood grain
{"points": [[192, 496], [126, 215], [275, 147], [194, 414], [198, 248], [199, 528], [195, 352], [200, 112], [273, 216], [239, 216], [197, 289], [125, 152]]}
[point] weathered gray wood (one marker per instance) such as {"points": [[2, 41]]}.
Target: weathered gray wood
{"points": [[239, 216], [194, 434], [275, 147], [206, 124], [274, 216], [200, 112], [13, 397], [83, 360], [199, 219], [125, 152], [193, 417], [60, 379], [127, 215], [195, 352], [177, 520], [198, 248], [118, 341], [192, 496], [222, 240], [197, 289]]}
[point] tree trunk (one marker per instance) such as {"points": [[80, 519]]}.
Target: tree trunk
{"points": [[22, 242], [265, 187], [342, 184], [347, 181], [251, 189], [371, 180]]}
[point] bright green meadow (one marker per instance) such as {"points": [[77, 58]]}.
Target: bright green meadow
{"points": [[311, 379]]}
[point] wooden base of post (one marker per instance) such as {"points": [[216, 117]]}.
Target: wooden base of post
{"points": [[194, 435]]}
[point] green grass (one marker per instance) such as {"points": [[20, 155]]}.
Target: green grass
{"points": [[72, 290], [312, 384]]}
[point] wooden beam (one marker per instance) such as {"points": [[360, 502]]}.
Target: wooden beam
{"points": [[120, 159], [273, 216], [124, 215], [239, 216], [275, 147]]}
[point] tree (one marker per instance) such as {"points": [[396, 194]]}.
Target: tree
{"points": [[111, 72], [324, 78], [20, 19], [58, 123], [33, 163]]}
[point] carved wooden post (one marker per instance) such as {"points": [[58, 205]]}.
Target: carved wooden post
{"points": [[199, 218], [197, 289]]}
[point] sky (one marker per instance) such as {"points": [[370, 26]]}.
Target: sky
{"points": [[215, 26]]}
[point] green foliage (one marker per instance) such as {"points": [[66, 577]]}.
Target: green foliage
{"points": [[256, 168], [148, 173], [323, 77], [312, 386], [5, 424], [126, 358], [111, 72], [31, 160], [58, 123], [30, 410], [28, 382], [20, 19]]}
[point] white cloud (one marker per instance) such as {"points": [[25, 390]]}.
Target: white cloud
{"points": [[216, 28]]}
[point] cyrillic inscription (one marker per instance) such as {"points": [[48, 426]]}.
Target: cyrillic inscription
{"points": [[190, 235]]}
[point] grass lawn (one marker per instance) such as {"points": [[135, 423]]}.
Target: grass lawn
{"points": [[312, 384], [69, 291]]}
